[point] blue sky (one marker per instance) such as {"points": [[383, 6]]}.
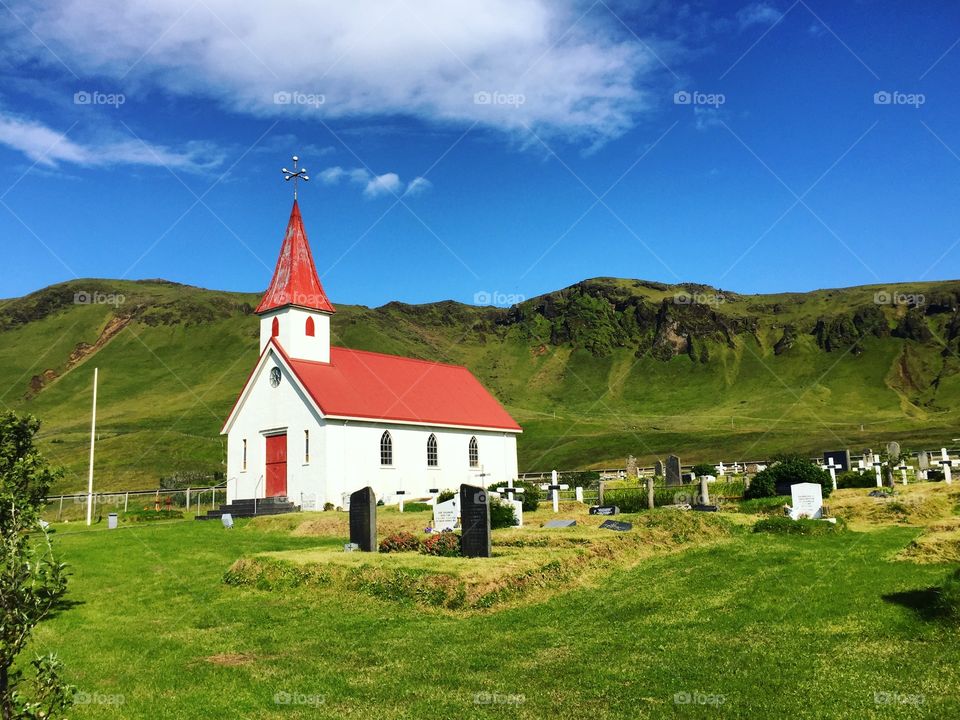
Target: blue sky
{"points": [[457, 149]]}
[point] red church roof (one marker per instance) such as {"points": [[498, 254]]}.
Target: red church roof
{"points": [[359, 384], [295, 280]]}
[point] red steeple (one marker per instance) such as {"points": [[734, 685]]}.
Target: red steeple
{"points": [[295, 280]]}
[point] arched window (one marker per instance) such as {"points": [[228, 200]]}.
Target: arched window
{"points": [[311, 330], [276, 327], [474, 453], [432, 450], [386, 448]]}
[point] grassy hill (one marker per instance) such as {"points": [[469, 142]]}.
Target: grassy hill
{"points": [[599, 370]]}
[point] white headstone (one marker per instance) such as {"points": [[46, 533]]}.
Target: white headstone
{"points": [[579, 492], [445, 515], [806, 501], [517, 510], [947, 477]]}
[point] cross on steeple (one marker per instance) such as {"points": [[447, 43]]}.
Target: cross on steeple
{"points": [[295, 175]]}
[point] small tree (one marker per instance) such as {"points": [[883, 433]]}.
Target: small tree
{"points": [[32, 582], [701, 469], [788, 470]]}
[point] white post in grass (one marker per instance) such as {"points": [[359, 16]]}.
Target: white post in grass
{"points": [[903, 472], [860, 466], [400, 494], [876, 466], [947, 477], [832, 467], [93, 439]]}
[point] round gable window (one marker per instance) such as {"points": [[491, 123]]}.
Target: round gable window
{"points": [[275, 376]]}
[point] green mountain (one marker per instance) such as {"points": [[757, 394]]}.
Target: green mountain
{"points": [[594, 372]]}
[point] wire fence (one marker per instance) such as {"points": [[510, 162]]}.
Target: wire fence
{"points": [[66, 507]]}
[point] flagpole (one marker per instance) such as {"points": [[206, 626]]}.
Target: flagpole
{"points": [[93, 437]]}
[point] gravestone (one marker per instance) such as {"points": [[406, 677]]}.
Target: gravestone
{"points": [[631, 466], [579, 494], [841, 459], [673, 470], [475, 519], [616, 525], [893, 451], [806, 500], [604, 510], [446, 514], [658, 469], [363, 519], [923, 460], [559, 523]]}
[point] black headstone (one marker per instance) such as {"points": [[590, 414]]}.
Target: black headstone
{"points": [[475, 520], [604, 510], [673, 470], [363, 519], [658, 469], [616, 525], [705, 508], [841, 458]]}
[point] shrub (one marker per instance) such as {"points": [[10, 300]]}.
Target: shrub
{"points": [[445, 544], [853, 479], [417, 507], [788, 471], [785, 526], [327, 506], [501, 514], [702, 469], [446, 495], [148, 513], [401, 541], [530, 497]]}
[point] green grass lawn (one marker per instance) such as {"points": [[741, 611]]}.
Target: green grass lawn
{"points": [[772, 626]]}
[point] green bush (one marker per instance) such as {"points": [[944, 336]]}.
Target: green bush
{"points": [[701, 469], [446, 495], [401, 541], [148, 514], [530, 497], [417, 507], [788, 470], [785, 526], [501, 514], [327, 506], [853, 479], [445, 544]]}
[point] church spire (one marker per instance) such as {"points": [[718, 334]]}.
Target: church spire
{"points": [[295, 280]]}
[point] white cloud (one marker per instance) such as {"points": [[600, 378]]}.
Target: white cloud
{"points": [[386, 184], [583, 78], [758, 13], [49, 148], [375, 185], [418, 186]]}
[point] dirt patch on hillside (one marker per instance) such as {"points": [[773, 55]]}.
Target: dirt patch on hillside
{"points": [[918, 504], [939, 544], [79, 353]]}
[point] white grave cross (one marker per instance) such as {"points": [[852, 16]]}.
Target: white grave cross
{"points": [[832, 467], [555, 487], [903, 472], [876, 466], [947, 477]]}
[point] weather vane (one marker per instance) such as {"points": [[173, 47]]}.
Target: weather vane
{"points": [[295, 175]]}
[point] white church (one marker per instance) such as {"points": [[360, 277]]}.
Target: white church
{"points": [[315, 422]]}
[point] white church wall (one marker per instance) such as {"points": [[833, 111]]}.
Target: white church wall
{"points": [[267, 410], [354, 459]]}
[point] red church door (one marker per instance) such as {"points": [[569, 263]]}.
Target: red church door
{"points": [[276, 465]]}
